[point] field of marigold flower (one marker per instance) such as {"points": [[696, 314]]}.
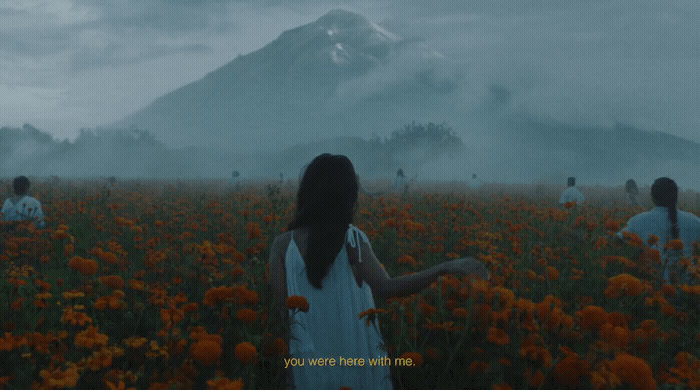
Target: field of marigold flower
{"points": [[150, 285]]}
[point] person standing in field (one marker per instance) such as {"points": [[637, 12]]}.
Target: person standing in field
{"points": [[325, 269], [235, 180], [632, 192], [664, 223], [571, 193], [21, 206], [400, 184], [474, 182]]}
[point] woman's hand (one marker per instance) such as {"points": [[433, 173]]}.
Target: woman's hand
{"points": [[467, 266]]}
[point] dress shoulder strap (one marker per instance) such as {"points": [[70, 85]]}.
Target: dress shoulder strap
{"points": [[354, 238]]}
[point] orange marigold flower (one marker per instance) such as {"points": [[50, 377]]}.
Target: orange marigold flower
{"points": [[674, 245], [59, 234], [531, 275], [297, 302], [691, 289], [108, 257], [86, 267], [136, 342], [73, 294], [623, 284], [112, 281], [60, 379], [552, 273], [225, 384], [407, 259], [276, 347], [245, 352], [432, 353], [190, 307], [668, 290], [89, 338], [218, 294], [253, 230], [570, 371], [206, 351], [247, 315], [498, 336], [612, 225], [505, 386], [535, 379], [416, 358], [75, 317], [652, 239], [171, 316], [592, 317], [536, 354], [633, 371], [633, 239], [477, 367]]}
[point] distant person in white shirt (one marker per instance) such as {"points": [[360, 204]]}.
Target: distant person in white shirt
{"points": [[632, 192], [400, 181], [571, 193], [474, 182], [235, 180], [22, 206], [667, 223]]}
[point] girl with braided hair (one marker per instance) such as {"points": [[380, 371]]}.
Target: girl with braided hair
{"points": [[666, 222]]}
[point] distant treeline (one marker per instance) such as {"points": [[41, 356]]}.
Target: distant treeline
{"points": [[137, 153]]}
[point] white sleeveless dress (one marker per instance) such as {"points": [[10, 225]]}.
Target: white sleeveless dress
{"points": [[331, 328]]}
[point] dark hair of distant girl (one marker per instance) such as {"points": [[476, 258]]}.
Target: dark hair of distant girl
{"points": [[631, 187], [325, 205], [664, 193], [21, 185]]}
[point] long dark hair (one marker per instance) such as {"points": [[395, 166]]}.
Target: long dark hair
{"points": [[664, 193], [631, 187], [21, 185], [325, 205]]}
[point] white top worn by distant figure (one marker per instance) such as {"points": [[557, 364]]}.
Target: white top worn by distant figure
{"points": [[399, 181], [20, 208], [333, 330], [235, 180], [571, 193], [656, 222], [474, 182]]}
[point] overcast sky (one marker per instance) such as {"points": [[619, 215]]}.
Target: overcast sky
{"points": [[68, 64]]}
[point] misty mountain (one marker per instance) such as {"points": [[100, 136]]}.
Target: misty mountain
{"points": [[341, 75]]}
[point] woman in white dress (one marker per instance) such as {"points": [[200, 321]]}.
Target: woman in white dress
{"points": [[328, 261], [22, 206]]}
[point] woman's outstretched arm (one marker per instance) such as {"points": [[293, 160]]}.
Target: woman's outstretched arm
{"points": [[384, 286]]}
